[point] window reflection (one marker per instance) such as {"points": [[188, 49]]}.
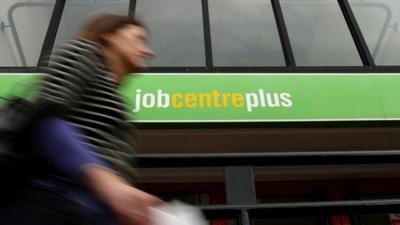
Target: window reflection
{"points": [[176, 31], [380, 31], [78, 11], [23, 26], [244, 33], [319, 34]]}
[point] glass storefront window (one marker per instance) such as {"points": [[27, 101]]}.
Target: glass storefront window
{"points": [[319, 34], [23, 27], [176, 31], [380, 31], [77, 12], [244, 33]]}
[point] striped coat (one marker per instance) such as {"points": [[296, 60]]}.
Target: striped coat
{"points": [[80, 86]]}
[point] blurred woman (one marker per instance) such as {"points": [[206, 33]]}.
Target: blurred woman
{"points": [[83, 148]]}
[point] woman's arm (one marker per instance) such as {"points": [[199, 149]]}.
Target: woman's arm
{"points": [[57, 141]]}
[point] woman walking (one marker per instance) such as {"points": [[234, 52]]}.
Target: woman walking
{"points": [[82, 175]]}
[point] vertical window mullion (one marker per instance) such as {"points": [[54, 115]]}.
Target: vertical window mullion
{"points": [[52, 30], [283, 34], [132, 7], [355, 31], [207, 34]]}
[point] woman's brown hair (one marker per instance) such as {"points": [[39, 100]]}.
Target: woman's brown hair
{"points": [[104, 24]]}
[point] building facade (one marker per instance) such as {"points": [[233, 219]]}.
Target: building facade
{"points": [[310, 83]]}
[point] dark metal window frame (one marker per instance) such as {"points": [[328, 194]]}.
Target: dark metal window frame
{"points": [[364, 53], [52, 30], [241, 202], [47, 42], [352, 24]]}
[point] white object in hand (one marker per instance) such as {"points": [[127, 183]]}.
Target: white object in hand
{"points": [[176, 213]]}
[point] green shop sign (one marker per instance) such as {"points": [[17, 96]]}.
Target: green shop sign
{"points": [[253, 97]]}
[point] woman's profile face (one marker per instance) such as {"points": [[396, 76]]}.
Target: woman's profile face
{"points": [[130, 44]]}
